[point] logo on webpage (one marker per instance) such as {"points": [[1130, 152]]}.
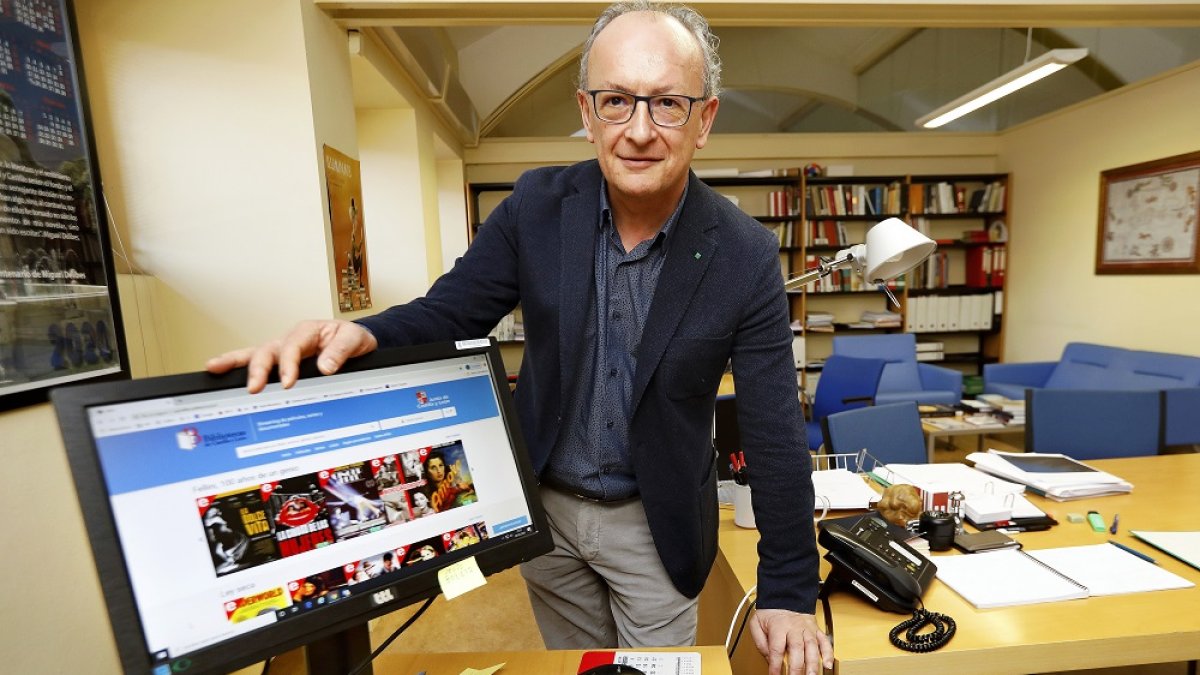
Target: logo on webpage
{"points": [[422, 398], [188, 438]]}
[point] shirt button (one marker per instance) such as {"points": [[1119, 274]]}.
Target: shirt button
{"points": [[609, 424], [616, 316], [612, 373]]}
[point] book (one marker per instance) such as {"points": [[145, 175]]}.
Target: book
{"points": [[1016, 577], [1051, 475], [979, 542]]}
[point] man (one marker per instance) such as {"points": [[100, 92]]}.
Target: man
{"points": [[637, 284]]}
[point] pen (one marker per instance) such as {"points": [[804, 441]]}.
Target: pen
{"points": [[1139, 554], [1116, 520]]}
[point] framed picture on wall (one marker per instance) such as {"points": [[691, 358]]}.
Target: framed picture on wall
{"points": [[59, 316], [1149, 214]]}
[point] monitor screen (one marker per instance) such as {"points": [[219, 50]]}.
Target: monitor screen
{"points": [[227, 527]]}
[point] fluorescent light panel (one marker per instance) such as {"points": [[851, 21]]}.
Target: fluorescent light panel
{"points": [[1021, 76]]}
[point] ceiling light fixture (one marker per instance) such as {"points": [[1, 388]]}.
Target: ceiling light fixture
{"points": [[1021, 76]]}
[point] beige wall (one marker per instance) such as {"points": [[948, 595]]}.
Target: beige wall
{"points": [[209, 120], [1054, 295]]}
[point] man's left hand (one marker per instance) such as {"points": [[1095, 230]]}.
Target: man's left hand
{"points": [[778, 632]]}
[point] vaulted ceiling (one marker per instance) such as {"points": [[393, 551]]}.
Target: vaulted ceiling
{"points": [[504, 76]]}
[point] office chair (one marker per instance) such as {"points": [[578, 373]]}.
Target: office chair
{"points": [[891, 433], [904, 378], [1094, 424], [846, 382], [1181, 416]]}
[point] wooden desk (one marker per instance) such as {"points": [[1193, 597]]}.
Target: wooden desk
{"points": [[1123, 630], [712, 662]]}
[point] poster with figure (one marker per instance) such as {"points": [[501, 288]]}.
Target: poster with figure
{"points": [[344, 187], [59, 320]]}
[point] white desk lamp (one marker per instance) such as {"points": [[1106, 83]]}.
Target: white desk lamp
{"points": [[892, 248]]}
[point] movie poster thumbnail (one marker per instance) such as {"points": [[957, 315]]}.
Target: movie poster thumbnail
{"points": [[421, 551], [269, 601], [352, 500], [237, 526], [373, 567], [298, 510], [464, 537], [393, 488], [448, 481], [318, 589]]}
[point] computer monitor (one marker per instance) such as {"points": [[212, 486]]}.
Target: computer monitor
{"points": [[227, 527]]}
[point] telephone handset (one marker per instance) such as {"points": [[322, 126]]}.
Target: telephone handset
{"points": [[865, 556]]}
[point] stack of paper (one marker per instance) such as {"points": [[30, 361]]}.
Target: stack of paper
{"points": [[1055, 476], [842, 489]]}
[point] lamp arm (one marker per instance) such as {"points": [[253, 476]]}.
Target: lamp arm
{"points": [[847, 257]]}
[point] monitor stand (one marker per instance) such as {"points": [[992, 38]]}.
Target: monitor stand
{"points": [[337, 654]]}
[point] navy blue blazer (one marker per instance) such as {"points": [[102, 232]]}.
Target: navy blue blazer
{"points": [[720, 296]]}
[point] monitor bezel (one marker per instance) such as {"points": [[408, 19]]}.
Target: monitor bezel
{"points": [[71, 405]]}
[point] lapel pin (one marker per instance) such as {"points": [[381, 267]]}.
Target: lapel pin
{"points": [[697, 255]]}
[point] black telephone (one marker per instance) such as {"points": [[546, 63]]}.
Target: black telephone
{"points": [[865, 556]]}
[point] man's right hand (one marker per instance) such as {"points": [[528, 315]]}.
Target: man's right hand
{"points": [[332, 341]]}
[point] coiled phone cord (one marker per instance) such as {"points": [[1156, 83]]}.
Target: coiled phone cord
{"points": [[913, 640], [916, 641]]}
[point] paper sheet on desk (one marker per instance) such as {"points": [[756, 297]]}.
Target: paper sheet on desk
{"points": [[950, 477], [843, 489], [483, 671], [1182, 545]]}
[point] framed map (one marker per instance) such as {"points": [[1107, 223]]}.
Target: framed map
{"points": [[1149, 214]]}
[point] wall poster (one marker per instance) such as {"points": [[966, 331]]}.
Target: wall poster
{"points": [[343, 183], [59, 317]]}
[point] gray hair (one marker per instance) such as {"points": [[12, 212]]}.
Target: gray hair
{"points": [[688, 17]]}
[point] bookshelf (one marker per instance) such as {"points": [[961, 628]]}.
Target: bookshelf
{"points": [[953, 301]]}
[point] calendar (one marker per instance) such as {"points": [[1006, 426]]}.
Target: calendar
{"points": [[650, 663]]}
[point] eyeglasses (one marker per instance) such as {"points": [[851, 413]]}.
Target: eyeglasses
{"points": [[666, 110]]}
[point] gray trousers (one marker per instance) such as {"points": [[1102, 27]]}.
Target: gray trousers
{"points": [[603, 585]]}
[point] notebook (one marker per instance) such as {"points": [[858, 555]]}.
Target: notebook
{"points": [[1015, 577]]}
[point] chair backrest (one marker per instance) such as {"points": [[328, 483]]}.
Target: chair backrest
{"points": [[1094, 424], [1090, 366], [898, 350], [846, 382], [1182, 417], [890, 433]]}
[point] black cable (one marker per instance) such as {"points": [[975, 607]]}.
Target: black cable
{"points": [[825, 589], [738, 638], [411, 620], [916, 641], [267, 665]]}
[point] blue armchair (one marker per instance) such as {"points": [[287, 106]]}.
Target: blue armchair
{"points": [[1094, 424], [904, 379]]}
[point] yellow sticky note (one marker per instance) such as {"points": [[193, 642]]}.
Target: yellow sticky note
{"points": [[460, 577], [485, 671]]}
